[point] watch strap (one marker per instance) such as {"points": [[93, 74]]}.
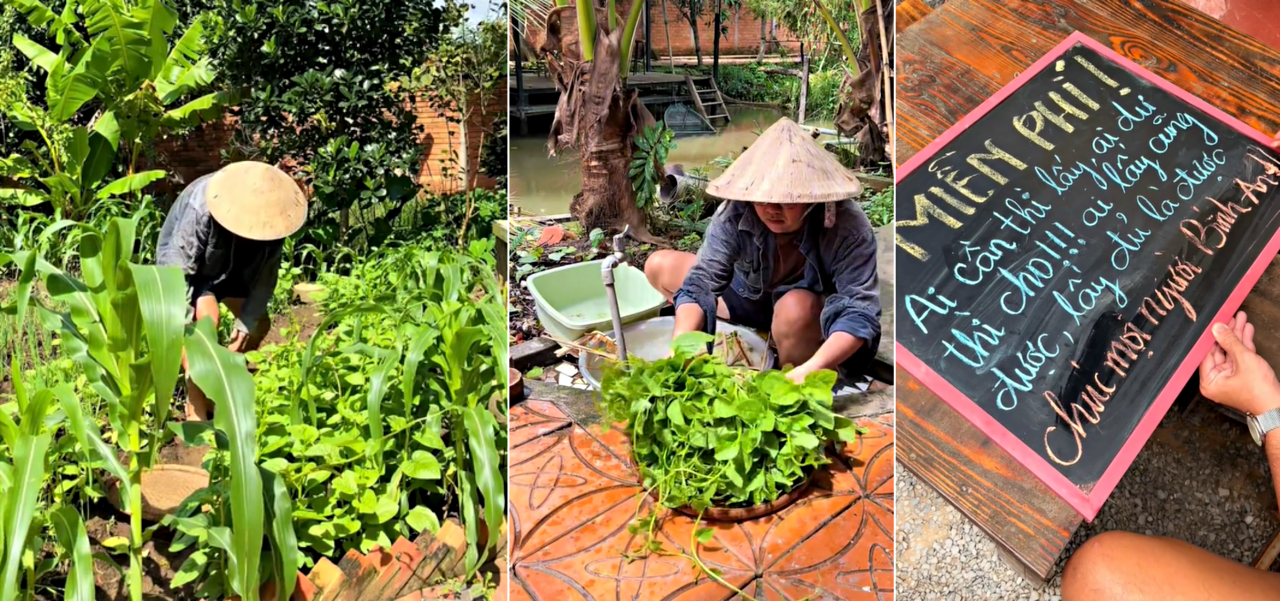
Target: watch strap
{"points": [[1268, 421]]}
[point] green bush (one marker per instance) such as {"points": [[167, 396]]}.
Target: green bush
{"points": [[322, 87], [749, 83]]}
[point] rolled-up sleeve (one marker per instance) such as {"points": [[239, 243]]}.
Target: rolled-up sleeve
{"points": [[713, 271], [183, 238], [854, 308], [264, 287]]}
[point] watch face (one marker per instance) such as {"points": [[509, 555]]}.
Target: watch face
{"points": [[1253, 430]]}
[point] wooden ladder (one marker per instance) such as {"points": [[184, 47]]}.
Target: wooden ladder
{"points": [[705, 107]]}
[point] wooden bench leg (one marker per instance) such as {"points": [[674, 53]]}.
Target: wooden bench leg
{"points": [[1267, 558]]}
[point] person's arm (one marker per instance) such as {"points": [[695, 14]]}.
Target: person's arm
{"points": [[185, 235], [709, 277], [255, 305], [1234, 375], [851, 316]]}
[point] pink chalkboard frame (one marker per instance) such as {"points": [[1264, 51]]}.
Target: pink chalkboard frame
{"points": [[1088, 503]]}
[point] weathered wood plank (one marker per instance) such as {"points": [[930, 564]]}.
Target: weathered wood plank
{"points": [[935, 90], [908, 12], [1263, 308], [1134, 30], [988, 486]]}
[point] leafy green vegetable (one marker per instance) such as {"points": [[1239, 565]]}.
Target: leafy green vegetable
{"points": [[707, 435]]}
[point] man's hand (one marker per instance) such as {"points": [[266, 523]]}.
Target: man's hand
{"points": [[798, 374], [239, 341], [1234, 375]]}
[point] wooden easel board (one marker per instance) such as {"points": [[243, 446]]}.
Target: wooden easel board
{"points": [[1063, 250]]}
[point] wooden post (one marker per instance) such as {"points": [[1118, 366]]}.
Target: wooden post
{"points": [[648, 38], [804, 83], [521, 101], [715, 58]]}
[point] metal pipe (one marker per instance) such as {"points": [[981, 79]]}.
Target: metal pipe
{"points": [[606, 273], [676, 182]]}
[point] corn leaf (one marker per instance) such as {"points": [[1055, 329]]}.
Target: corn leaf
{"points": [[90, 437], [162, 293], [73, 537], [284, 541], [486, 465], [28, 478], [222, 376]]}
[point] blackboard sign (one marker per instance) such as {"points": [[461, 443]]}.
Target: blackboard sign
{"points": [[1063, 251]]}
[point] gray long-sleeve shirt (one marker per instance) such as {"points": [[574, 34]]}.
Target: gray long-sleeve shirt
{"points": [[840, 264], [216, 261]]}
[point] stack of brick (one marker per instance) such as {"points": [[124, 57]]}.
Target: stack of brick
{"points": [[421, 570]]}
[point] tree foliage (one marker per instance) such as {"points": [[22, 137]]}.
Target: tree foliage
{"points": [[320, 89]]}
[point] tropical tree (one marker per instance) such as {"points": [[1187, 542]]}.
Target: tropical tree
{"points": [[114, 58], [588, 53], [691, 10], [854, 28]]}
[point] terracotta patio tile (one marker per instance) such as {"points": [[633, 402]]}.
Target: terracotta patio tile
{"points": [[517, 592], [862, 571], [556, 491], [573, 496], [532, 419], [608, 453], [795, 524], [600, 569]]}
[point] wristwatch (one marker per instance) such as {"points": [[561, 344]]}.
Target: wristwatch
{"points": [[1259, 425]]}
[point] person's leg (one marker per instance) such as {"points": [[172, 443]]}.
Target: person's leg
{"points": [[666, 270], [1132, 567], [199, 408], [797, 327]]}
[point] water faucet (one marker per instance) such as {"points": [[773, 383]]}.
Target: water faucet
{"points": [[614, 260]]}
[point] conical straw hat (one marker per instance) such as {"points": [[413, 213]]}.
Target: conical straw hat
{"points": [[786, 166], [256, 201]]}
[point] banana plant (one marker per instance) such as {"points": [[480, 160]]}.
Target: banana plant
{"points": [[126, 64]]}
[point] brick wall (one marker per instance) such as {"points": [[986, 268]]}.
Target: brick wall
{"points": [[443, 139], [743, 35], [199, 153]]}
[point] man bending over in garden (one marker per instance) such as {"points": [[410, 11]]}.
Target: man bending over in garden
{"points": [[789, 253], [226, 232]]}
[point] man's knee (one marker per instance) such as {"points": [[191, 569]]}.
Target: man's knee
{"points": [[797, 312], [1088, 573], [658, 264]]}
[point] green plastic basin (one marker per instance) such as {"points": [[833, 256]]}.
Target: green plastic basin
{"points": [[570, 300]]}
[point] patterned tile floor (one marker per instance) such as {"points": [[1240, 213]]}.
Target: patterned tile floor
{"points": [[574, 490]]}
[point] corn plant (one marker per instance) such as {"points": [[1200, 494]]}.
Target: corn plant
{"points": [[124, 325], [23, 475]]}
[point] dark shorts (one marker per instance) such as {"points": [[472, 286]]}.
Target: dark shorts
{"points": [[219, 290], [758, 315]]}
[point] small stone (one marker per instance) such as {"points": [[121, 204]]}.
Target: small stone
{"points": [[567, 369], [1162, 495], [1222, 492], [1248, 519]]}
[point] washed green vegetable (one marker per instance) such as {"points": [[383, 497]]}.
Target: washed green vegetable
{"points": [[707, 435]]}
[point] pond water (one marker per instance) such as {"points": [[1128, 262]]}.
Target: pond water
{"points": [[544, 185]]}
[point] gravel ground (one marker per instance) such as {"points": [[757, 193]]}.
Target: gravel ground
{"points": [[1200, 479]]}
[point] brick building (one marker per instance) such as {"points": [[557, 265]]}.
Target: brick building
{"points": [[200, 152], [743, 35]]}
